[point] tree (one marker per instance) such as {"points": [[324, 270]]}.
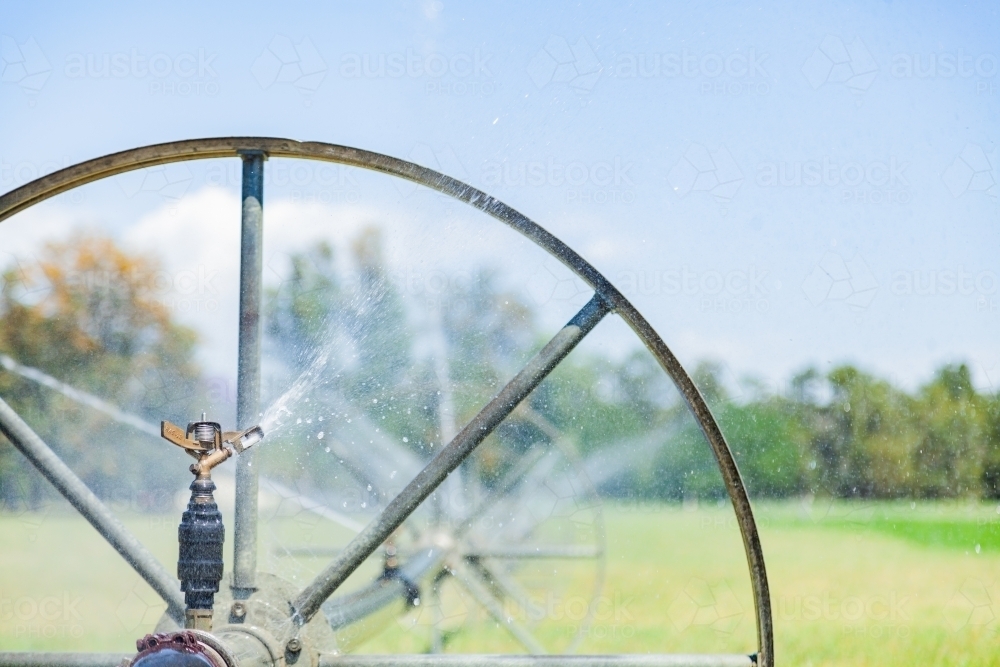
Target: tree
{"points": [[948, 457], [91, 315]]}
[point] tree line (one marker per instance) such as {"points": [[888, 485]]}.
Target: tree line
{"points": [[86, 312]]}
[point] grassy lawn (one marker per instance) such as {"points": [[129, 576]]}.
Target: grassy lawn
{"points": [[851, 584]]}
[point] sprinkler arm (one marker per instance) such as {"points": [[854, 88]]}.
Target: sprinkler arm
{"points": [[210, 453]]}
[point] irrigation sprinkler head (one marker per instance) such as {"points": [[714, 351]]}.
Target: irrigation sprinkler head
{"points": [[201, 533], [207, 442]]}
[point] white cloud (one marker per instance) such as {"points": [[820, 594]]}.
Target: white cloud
{"points": [[24, 234], [198, 239]]}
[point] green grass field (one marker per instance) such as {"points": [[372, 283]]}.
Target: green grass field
{"points": [[851, 584]]}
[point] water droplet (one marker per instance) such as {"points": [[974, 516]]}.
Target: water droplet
{"points": [[327, 450], [319, 435], [299, 420], [369, 487], [406, 439], [977, 548], [393, 475]]}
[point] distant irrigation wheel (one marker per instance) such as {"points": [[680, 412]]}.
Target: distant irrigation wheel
{"points": [[269, 622]]}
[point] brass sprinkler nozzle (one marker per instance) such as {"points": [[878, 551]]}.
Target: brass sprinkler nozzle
{"points": [[209, 444]]}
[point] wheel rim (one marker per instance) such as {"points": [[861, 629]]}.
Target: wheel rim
{"points": [[250, 148]]}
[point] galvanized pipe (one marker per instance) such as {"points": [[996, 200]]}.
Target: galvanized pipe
{"points": [[472, 660], [248, 372], [100, 517], [25, 659], [449, 458], [341, 612], [542, 551], [467, 580]]}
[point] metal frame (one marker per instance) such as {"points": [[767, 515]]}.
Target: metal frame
{"points": [[439, 660], [253, 151]]}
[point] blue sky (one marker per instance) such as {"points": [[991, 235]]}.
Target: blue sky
{"points": [[774, 187]]}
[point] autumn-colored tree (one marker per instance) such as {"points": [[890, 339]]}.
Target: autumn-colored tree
{"points": [[92, 315]]}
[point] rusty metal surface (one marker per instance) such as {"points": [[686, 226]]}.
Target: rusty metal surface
{"points": [[110, 165]]}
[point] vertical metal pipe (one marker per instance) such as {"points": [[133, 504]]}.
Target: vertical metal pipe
{"points": [[248, 373]]}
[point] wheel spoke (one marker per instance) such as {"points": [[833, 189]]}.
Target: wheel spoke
{"points": [[92, 509], [542, 551], [437, 616], [449, 458], [311, 505], [471, 582], [507, 585], [81, 397], [511, 480], [522, 506], [558, 438], [372, 458]]}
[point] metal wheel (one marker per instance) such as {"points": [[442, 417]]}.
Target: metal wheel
{"points": [[293, 618]]}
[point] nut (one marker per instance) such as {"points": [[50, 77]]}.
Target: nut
{"points": [[294, 645], [239, 611]]}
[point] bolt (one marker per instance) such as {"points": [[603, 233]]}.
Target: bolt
{"points": [[293, 645], [239, 611]]}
